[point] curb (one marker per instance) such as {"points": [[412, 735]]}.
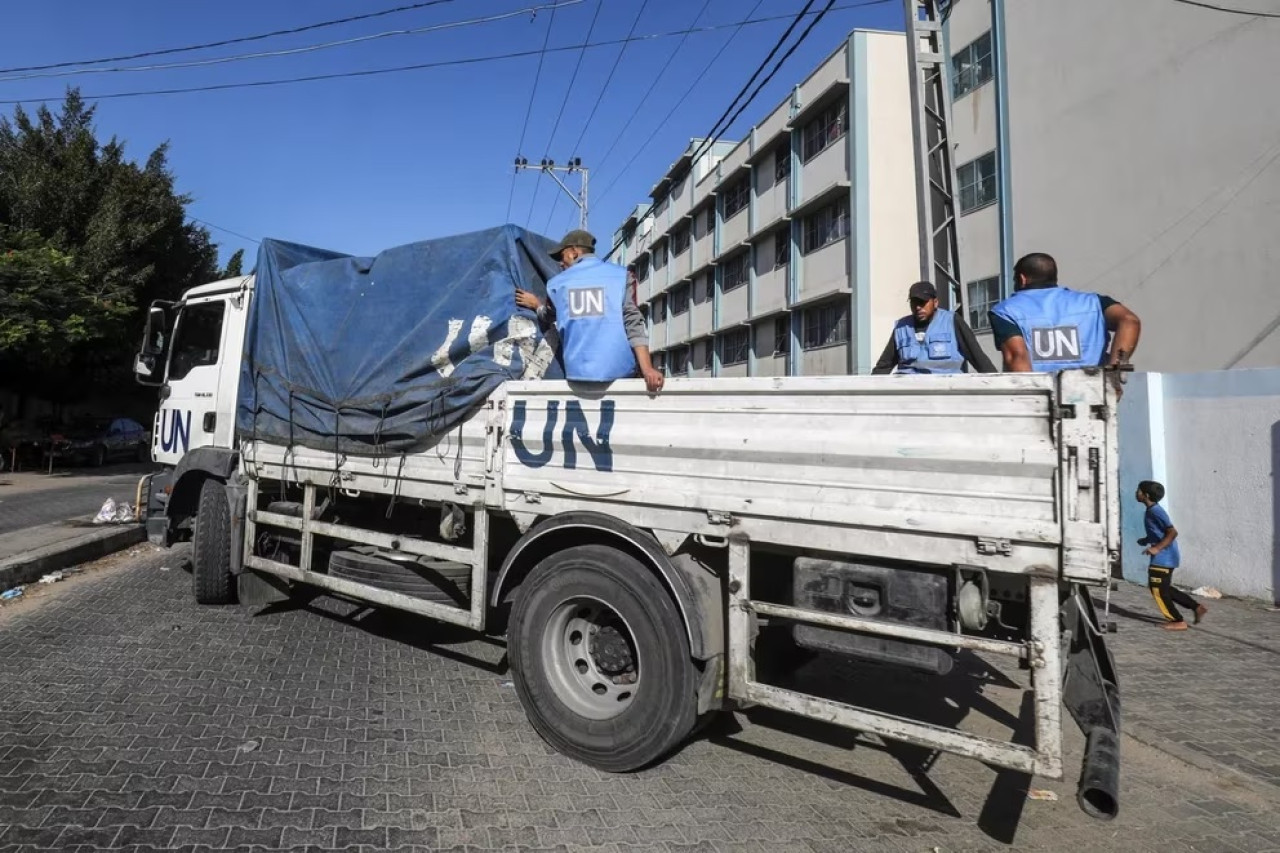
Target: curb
{"points": [[92, 545]]}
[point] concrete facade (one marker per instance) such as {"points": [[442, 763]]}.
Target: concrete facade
{"points": [[1213, 440], [790, 252], [1138, 155]]}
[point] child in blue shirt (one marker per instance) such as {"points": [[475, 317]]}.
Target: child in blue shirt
{"points": [[1162, 546]]}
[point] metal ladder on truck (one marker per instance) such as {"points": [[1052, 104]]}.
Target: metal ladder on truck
{"points": [[1064, 649]]}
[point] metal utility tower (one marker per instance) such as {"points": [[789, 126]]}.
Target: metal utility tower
{"points": [[935, 166], [573, 166]]}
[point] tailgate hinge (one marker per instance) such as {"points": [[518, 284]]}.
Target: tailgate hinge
{"points": [[715, 516], [995, 546]]}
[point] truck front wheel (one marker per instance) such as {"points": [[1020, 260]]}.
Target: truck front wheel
{"points": [[211, 547], [600, 659]]}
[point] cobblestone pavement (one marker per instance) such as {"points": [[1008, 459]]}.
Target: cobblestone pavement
{"points": [[23, 506], [1213, 690], [130, 718]]}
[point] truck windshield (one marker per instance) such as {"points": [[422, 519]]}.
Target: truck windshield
{"points": [[197, 338]]}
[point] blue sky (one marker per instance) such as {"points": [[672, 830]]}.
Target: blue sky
{"points": [[363, 164]]}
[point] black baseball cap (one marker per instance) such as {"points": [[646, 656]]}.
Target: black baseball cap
{"points": [[923, 290]]}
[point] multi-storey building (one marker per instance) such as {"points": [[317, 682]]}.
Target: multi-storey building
{"points": [[1137, 143], [790, 252]]}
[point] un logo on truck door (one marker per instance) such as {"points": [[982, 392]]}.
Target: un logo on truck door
{"points": [[1059, 343], [586, 302]]}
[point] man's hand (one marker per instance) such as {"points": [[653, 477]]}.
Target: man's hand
{"points": [[525, 299], [653, 379], [1152, 551]]}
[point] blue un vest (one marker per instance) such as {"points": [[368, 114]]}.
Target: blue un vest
{"points": [[588, 301], [939, 353], [1063, 328]]}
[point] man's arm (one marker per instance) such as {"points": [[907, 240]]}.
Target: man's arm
{"points": [[638, 337], [1012, 346], [971, 349], [1127, 328], [1170, 534], [888, 359]]}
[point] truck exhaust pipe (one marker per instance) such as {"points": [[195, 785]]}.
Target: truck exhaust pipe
{"points": [[1099, 791]]}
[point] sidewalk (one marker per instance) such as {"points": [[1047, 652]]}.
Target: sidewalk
{"points": [[1211, 693], [26, 555]]}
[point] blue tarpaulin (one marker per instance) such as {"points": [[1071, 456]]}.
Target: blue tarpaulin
{"points": [[386, 354]]}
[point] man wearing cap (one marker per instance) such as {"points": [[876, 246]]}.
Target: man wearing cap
{"points": [[602, 332], [931, 339]]}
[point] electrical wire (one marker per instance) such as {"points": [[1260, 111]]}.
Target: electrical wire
{"points": [[1228, 9], [227, 230], [573, 78], [420, 66], [292, 51], [716, 128], [542, 55], [616, 62], [679, 102], [638, 109], [224, 42], [537, 184]]}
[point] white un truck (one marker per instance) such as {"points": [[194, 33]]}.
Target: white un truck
{"points": [[390, 430]]}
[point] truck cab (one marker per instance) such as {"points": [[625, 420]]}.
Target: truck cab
{"points": [[191, 352]]}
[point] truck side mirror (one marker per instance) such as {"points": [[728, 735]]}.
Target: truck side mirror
{"points": [[144, 369], [155, 340]]}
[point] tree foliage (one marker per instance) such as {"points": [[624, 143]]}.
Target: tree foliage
{"points": [[235, 265], [88, 238]]}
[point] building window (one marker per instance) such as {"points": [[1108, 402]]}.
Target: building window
{"points": [[781, 335], [679, 241], [659, 312], [781, 249], [705, 350], [736, 271], [971, 66], [680, 361], [660, 361], [977, 180], [781, 164], [735, 198], [642, 267], [828, 225], [680, 300], [711, 219], [659, 257], [983, 295], [702, 287], [734, 346], [826, 325], [824, 130]]}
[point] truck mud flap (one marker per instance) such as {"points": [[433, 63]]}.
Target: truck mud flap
{"points": [[1091, 693]]}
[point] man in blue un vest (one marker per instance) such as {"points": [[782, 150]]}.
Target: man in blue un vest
{"points": [[931, 339], [602, 332], [1045, 328]]}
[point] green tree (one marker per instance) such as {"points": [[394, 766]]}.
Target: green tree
{"points": [[235, 265], [88, 239]]}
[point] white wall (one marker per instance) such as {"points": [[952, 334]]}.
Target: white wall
{"points": [[1213, 439]]}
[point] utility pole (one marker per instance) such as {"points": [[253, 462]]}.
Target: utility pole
{"points": [[573, 166]]}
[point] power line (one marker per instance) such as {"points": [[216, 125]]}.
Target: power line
{"points": [[716, 128], [1229, 10], [666, 66], [537, 185], [223, 43], [254, 84], [529, 112], [616, 62], [679, 102], [565, 102], [292, 51], [227, 230]]}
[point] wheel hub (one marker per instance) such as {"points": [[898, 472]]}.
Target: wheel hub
{"points": [[611, 653]]}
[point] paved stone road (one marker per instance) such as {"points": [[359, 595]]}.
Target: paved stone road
{"points": [[82, 496], [132, 719]]}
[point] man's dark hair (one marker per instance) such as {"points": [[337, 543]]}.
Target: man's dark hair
{"points": [[1037, 268], [1152, 489]]}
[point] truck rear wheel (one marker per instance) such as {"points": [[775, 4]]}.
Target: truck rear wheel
{"points": [[600, 659], [211, 547]]}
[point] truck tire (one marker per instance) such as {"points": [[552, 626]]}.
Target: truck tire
{"points": [[211, 547], [600, 659], [439, 581]]}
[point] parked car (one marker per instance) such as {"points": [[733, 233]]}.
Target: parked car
{"points": [[98, 441]]}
